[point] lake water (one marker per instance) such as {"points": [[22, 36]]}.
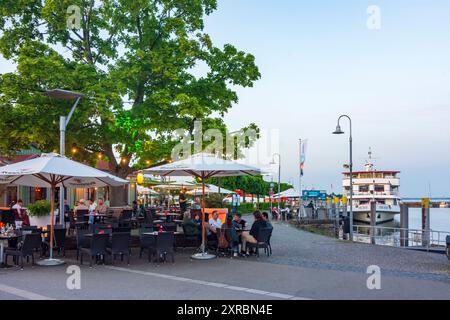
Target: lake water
{"points": [[439, 219]]}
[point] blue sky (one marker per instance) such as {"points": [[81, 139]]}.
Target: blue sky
{"points": [[318, 60]]}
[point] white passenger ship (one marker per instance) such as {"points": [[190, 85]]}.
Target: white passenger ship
{"points": [[372, 185]]}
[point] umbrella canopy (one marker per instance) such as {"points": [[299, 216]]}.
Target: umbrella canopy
{"points": [[290, 193], [209, 188], [169, 187], [204, 166], [145, 190], [52, 170]]}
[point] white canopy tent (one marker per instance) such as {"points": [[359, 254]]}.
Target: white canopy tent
{"points": [[290, 193], [145, 190], [204, 166], [209, 188], [52, 171]]}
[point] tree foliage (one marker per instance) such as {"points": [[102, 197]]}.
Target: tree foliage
{"points": [[146, 68], [255, 185]]}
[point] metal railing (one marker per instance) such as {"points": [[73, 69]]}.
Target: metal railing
{"points": [[400, 237]]}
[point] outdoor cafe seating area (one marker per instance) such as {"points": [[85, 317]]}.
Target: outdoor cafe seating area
{"points": [[155, 234]]}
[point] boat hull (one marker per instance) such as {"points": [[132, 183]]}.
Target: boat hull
{"points": [[384, 213]]}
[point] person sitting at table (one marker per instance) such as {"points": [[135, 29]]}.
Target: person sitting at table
{"points": [[81, 205], [92, 206], [192, 227], [196, 205], [238, 222], [231, 235], [250, 237], [266, 219], [102, 208], [213, 224]]}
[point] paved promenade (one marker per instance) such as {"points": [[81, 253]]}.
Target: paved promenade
{"points": [[303, 266]]}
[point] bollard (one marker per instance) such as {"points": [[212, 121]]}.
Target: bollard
{"points": [[373, 221], [426, 222], [404, 225]]}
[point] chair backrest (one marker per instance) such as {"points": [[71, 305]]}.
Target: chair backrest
{"points": [[31, 242], [8, 216], [120, 242], [264, 234], [169, 227], [144, 230], [148, 216], [126, 214], [165, 240], [81, 215], [98, 244], [122, 229], [102, 228], [60, 237], [81, 236]]}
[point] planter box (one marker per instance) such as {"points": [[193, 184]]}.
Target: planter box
{"points": [[40, 221]]}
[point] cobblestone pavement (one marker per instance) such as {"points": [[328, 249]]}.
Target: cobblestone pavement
{"points": [[295, 247], [303, 266]]}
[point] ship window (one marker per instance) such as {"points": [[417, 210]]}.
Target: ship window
{"points": [[379, 188], [363, 188]]}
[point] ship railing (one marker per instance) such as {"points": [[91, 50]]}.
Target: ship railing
{"points": [[400, 237]]}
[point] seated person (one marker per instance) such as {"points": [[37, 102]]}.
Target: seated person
{"points": [[250, 237], [231, 235], [81, 205], [213, 224], [238, 222], [101, 208], [192, 227], [265, 216]]}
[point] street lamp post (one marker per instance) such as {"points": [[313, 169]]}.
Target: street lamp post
{"points": [[339, 131], [63, 122], [279, 179]]}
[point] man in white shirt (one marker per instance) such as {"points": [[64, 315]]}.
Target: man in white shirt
{"points": [[213, 225]]}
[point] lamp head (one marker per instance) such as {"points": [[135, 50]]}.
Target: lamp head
{"points": [[338, 130]]}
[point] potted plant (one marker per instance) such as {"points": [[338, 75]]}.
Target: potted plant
{"points": [[39, 213]]}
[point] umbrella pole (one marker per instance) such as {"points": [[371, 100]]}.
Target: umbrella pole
{"points": [[52, 227], [203, 218], [203, 255], [51, 262]]}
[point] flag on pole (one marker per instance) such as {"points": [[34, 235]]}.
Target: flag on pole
{"points": [[303, 156]]}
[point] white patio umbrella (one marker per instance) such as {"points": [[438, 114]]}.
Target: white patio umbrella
{"points": [[209, 188], [204, 166], [51, 171]]}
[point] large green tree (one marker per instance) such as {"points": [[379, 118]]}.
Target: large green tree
{"points": [[146, 67], [255, 185]]}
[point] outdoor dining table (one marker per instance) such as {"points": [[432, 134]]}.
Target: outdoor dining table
{"points": [[101, 216], [170, 217]]}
